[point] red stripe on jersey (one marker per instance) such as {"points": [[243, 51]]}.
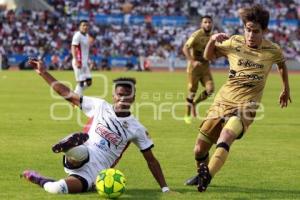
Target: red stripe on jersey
{"points": [[88, 125], [116, 162], [79, 54]]}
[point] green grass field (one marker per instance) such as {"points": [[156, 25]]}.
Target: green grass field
{"points": [[265, 164]]}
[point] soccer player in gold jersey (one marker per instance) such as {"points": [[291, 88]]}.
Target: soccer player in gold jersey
{"points": [[198, 67], [250, 59]]}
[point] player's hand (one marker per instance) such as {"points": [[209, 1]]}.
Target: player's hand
{"points": [[37, 65], [284, 98], [195, 63], [219, 37]]}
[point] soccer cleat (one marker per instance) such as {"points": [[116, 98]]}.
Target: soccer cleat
{"points": [[32, 176], [204, 177], [192, 181], [187, 119], [69, 142]]}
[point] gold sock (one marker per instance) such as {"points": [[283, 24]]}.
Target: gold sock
{"points": [[217, 160]]}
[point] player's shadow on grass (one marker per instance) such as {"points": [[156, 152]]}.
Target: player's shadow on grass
{"points": [[142, 194], [136, 194], [255, 191]]}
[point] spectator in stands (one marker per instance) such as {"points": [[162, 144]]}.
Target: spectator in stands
{"points": [[55, 62], [105, 62], [42, 34]]}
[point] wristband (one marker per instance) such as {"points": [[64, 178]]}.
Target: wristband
{"points": [[165, 189]]}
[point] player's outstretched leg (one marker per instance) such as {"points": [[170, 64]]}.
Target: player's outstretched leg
{"points": [[49, 185], [35, 177], [194, 111], [190, 109], [193, 181], [204, 177], [70, 141], [202, 96]]}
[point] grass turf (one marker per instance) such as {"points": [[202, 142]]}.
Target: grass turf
{"points": [[263, 165]]}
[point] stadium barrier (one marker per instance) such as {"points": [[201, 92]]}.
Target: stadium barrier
{"points": [[154, 62], [120, 19], [134, 19]]}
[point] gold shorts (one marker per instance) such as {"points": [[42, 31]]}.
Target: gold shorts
{"points": [[219, 114], [198, 74]]}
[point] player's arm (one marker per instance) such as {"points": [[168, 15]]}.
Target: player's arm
{"points": [[188, 48], [187, 51], [60, 88], [155, 169], [74, 49], [285, 94], [210, 48]]}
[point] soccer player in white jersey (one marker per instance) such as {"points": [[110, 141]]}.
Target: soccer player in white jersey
{"points": [[112, 129], [80, 53]]}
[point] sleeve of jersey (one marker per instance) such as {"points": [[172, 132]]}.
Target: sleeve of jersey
{"points": [[142, 140], [222, 49], [76, 39], [189, 43], [89, 105], [278, 55]]}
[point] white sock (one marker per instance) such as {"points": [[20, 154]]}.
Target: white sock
{"points": [[57, 187], [78, 89]]}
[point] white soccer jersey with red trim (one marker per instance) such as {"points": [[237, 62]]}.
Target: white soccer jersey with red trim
{"points": [[110, 135], [82, 41]]}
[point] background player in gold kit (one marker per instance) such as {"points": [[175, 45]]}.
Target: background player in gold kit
{"points": [[250, 58], [198, 67]]}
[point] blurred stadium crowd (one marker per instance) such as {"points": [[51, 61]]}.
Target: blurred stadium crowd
{"points": [[50, 33]]}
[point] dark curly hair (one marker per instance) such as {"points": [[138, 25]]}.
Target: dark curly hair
{"points": [[256, 14], [125, 82]]}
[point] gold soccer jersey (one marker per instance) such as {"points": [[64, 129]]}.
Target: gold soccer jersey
{"points": [[197, 42], [248, 71]]}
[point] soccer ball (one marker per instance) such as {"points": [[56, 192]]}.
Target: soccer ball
{"points": [[110, 183]]}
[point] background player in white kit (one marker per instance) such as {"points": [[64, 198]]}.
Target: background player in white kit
{"points": [[80, 53], [112, 129]]}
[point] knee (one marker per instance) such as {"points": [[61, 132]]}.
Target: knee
{"points": [[202, 146], [77, 154], [199, 152], [233, 127], [201, 155], [192, 88], [227, 136], [210, 88]]}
